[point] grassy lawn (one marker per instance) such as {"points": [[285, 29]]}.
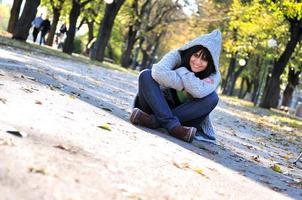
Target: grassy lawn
{"points": [[5, 39]]}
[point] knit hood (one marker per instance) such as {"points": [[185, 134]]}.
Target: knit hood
{"points": [[211, 41]]}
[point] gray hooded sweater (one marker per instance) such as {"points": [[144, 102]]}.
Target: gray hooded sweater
{"points": [[182, 79]]}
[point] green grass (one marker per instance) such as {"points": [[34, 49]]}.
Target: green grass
{"points": [[5, 39]]}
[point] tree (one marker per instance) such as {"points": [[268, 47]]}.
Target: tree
{"points": [[291, 10], [14, 15], [23, 25], [111, 10], [74, 14], [137, 11], [56, 8], [293, 81], [90, 15]]}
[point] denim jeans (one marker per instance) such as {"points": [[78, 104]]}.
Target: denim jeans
{"points": [[152, 101]]}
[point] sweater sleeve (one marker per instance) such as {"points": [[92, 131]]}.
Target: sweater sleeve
{"points": [[163, 73], [198, 88]]}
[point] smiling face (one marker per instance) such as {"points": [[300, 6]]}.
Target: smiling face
{"points": [[198, 63]]}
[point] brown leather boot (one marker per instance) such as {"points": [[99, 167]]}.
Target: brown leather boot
{"points": [[184, 133], [139, 117]]}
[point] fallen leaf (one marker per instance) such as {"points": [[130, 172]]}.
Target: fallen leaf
{"points": [[277, 189], [27, 90], [60, 146], [187, 165], [181, 165], [285, 157], [107, 109], [249, 146], [277, 168], [75, 93], [197, 169], [8, 142], [17, 133], [3, 100], [38, 102], [105, 126], [256, 158], [38, 170], [30, 78]]}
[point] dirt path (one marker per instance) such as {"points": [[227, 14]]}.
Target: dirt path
{"points": [[60, 105]]}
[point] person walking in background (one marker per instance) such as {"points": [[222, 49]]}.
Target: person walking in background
{"points": [[178, 93], [61, 35], [45, 28], [37, 25], [63, 29]]}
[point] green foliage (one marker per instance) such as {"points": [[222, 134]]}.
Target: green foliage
{"points": [[4, 16], [78, 44], [117, 42], [66, 7]]}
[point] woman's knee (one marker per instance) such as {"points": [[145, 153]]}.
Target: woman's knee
{"points": [[214, 98], [211, 100], [145, 75]]}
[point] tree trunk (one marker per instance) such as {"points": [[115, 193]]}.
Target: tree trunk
{"points": [[293, 81], [272, 89], [110, 52], [231, 70], [14, 15], [248, 87], [90, 25], [146, 56], [287, 95], [126, 57], [233, 81], [98, 50], [145, 59], [52, 32], [256, 79], [241, 88], [73, 18], [23, 25]]}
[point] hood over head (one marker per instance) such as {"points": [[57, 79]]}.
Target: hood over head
{"points": [[211, 41]]}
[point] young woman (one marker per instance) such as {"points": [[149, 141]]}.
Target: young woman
{"points": [[179, 92]]}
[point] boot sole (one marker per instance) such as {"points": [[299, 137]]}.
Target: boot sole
{"points": [[191, 134], [134, 116]]}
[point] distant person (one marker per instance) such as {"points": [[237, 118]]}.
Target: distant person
{"points": [[45, 28], [37, 25], [60, 36], [63, 29], [178, 93]]}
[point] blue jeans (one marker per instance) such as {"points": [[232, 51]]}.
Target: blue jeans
{"points": [[152, 101]]}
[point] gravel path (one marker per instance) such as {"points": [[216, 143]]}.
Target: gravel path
{"points": [[78, 144]]}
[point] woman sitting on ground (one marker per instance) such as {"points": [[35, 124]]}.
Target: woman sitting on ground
{"points": [[178, 93]]}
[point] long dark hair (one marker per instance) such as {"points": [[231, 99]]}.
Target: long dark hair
{"points": [[205, 55]]}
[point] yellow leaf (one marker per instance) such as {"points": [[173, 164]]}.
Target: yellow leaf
{"points": [[197, 169], [277, 168], [285, 157], [105, 126]]}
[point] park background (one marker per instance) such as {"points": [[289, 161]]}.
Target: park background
{"points": [[260, 62], [261, 56]]}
